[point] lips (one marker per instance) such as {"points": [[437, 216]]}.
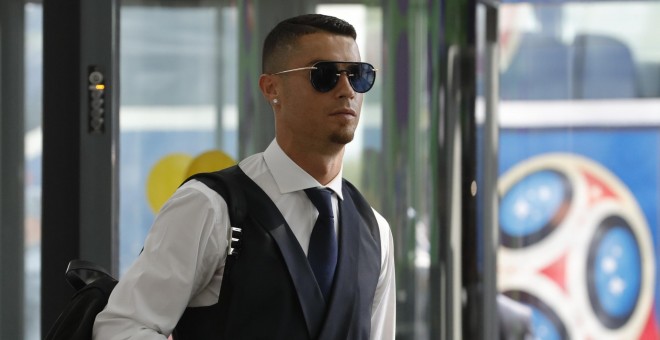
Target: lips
{"points": [[349, 112]]}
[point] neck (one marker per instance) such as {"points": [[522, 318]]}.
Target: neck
{"points": [[322, 163]]}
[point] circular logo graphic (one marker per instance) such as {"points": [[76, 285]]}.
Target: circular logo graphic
{"points": [[570, 225], [532, 207]]}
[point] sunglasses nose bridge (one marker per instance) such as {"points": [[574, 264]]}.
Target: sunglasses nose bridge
{"points": [[346, 72], [348, 82]]}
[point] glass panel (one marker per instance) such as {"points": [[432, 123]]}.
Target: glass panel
{"points": [[579, 167], [33, 152], [178, 105]]}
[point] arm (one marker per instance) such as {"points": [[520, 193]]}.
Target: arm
{"points": [[383, 311], [184, 251]]}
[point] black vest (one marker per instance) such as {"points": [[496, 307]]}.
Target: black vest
{"points": [[269, 290]]}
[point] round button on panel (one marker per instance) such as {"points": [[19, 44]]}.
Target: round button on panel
{"points": [[95, 77]]}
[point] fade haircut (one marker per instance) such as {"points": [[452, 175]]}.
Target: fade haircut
{"points": [[283, 36]]}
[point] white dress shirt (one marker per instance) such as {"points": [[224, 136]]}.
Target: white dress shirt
{"points": [[184, 253]]}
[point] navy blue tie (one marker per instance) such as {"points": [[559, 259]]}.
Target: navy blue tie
{"points": [[322, 252]]}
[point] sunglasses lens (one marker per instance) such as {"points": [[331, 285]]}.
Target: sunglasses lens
{"points": [[364, 77], [324, 77]]}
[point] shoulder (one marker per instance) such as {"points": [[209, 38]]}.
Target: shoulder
{"points": [[196, 190], [194, 198]]}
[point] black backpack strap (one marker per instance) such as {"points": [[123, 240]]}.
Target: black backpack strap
{"points": [[224, 182]]}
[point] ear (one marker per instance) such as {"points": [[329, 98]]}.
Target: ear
{"points": [[268, 86]]}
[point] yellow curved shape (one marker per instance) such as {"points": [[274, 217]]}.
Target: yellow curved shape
{"points": [[165, 177], [209, 161]]}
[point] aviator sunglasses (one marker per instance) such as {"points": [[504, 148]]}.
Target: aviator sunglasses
{"points": [[324, 75]]}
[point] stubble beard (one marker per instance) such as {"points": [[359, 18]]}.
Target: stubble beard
{"points": [[343, 136]]}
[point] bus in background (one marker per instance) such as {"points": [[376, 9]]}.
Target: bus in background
{"points": [[579, 166]]}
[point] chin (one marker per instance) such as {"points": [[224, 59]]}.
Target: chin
{"points": [[342, 138]]}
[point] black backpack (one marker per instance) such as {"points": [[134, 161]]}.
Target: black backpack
{"points": [[93, 286], [93, 283]]}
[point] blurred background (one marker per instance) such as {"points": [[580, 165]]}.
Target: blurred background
{"points": [[513, 146]]}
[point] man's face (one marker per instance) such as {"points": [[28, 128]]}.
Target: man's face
{"points": [[307, 117]]}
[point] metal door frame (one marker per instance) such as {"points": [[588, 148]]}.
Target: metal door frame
{"points": [[80, 186]]}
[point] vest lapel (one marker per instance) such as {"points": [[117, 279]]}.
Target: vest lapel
{"points": [[266, 214]]}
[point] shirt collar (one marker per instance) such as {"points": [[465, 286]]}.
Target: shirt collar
{"points": [[289, 177]]}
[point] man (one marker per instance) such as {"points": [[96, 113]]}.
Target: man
{"points": [[314, 81]]}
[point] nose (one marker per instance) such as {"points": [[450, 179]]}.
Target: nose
{"points": [[344, 88]]}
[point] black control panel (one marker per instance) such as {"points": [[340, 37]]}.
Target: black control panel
{"points": [[96, 90]]}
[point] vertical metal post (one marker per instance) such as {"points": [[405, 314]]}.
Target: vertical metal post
{"points": [[12, 131], [80, 187], [60, 187], [456, 200], [99, 150], [488, 191]]}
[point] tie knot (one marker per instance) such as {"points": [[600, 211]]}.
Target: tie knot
{"points": [[322, 200]]}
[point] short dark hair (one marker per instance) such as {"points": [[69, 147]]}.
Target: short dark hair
{"points": [[285, 33]]}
